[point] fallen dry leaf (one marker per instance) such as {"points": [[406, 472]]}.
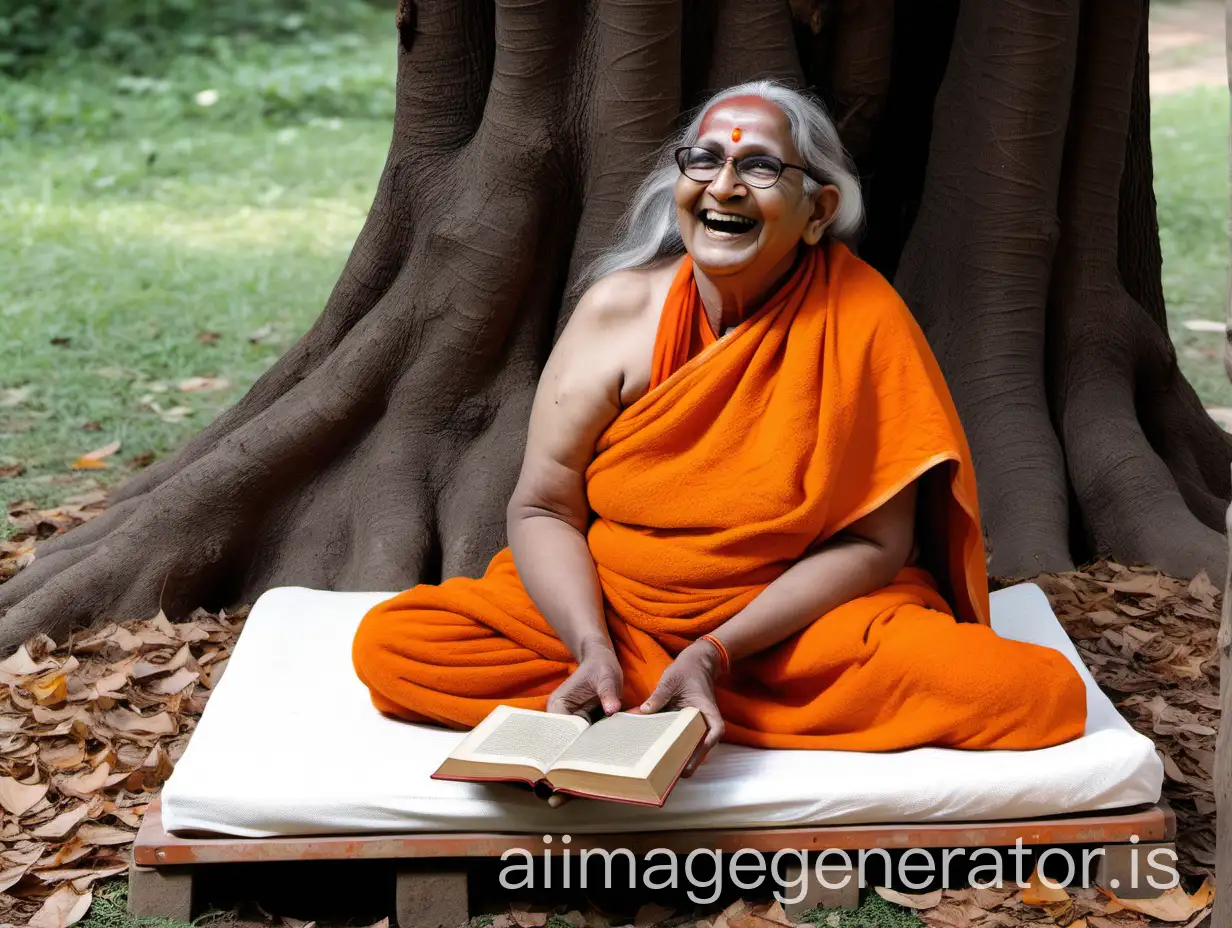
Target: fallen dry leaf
{"points": [[63, 853], [22, 664], [987, 897], [169, 686], [62, 908], [19, 798], [159, 662], [12, 397], [650, 915], [104, 834], [18, 864], [731, 914], [1040, 895], [84, 785], [160, 723], [1175, 905], [1204, 895], [81, 877], [95, 459], [62, 824], [523, 917], [195, 384], [911, 901], [776, 914], [49, 690], [947, 915], [172, 414]]}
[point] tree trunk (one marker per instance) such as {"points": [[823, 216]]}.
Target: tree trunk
{"points": [[1007, 169]]}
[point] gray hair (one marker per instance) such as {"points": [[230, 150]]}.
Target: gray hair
{"points": [[649, 229]]}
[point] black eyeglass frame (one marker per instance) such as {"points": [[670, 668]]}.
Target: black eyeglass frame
{"points": [[680, 153]]}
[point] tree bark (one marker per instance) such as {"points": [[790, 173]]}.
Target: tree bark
{"points": [[1005, 153]]}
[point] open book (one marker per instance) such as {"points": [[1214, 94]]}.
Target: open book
{"points": [[625, 757]]}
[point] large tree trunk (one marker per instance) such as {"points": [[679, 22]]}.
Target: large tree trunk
{"points": [[1006, 157]]}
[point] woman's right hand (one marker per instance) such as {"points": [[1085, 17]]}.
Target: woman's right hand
{"points": [[597, 681]]}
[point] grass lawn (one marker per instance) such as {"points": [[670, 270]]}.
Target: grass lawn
{"points": [[150, 239], [1189, 135]]}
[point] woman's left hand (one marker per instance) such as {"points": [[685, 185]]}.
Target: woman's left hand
{"points": [[689, 681]]}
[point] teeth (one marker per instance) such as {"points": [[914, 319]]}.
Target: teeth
{"points": [[713, 214]]}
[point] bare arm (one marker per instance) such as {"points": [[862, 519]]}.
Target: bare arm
{"points": [[857, 561], [548, 514]]}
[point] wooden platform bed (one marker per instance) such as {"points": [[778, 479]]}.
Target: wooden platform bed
{"points": [[432, 870]]}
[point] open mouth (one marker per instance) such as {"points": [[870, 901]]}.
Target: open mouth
{"points": [[726, 224]]}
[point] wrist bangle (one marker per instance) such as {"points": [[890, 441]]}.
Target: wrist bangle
{"points": [[724, 657]]}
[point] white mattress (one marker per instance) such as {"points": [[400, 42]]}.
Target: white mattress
{"points": [[289, 743]]}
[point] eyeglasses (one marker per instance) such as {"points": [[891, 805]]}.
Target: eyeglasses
{"points": [[703, 165]]}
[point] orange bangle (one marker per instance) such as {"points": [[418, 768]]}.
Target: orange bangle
{"points": [[724, 657]]}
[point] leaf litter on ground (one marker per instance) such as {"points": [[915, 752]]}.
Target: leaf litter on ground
{"points": [[91, 729]]}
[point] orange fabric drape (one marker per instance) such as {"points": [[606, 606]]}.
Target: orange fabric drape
{"points": [[744, 452]]}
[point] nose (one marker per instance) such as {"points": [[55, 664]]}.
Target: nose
{"points": [[726, 181]]}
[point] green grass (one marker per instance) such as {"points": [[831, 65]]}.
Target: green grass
{"points": [[874, 912], [136, 223], [108, 909], [1189, 135]]}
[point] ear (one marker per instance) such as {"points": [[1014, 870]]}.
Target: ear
{"points": [[824, 208]]}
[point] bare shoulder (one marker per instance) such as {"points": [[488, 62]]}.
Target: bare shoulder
{"points": [[617, 319], [626, 297]]}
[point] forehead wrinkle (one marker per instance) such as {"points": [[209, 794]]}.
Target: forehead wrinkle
{"points": [[759, 108], [766, 121]]}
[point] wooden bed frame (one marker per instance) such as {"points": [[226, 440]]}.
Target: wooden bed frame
{"points": [[431, 880]]}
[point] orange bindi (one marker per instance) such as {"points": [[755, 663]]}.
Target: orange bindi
{"points": [[736, 133]]}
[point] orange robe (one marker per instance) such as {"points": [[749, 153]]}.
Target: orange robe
{"points": [[744, 452]]}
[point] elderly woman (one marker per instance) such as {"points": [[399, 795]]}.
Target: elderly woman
{"points": [[745, 489]]}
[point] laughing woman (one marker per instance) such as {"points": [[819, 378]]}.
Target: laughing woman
{"points": [[745, 489]]}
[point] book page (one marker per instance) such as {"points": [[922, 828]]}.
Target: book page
{"points": [[620, 740], [540, 737]]}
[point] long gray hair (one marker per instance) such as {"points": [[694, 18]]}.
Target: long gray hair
{"points": [[649, 229]]}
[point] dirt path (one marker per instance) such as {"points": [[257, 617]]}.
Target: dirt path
{"points": [[1187, 45]]}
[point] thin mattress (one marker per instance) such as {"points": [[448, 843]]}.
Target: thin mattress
{"points": [[290, 744]]}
